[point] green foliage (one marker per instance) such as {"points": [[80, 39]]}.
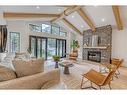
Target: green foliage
{"points": [[56, 58], [75, 44]]}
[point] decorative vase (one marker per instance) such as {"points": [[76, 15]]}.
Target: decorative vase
{"points": [[56, 65]]}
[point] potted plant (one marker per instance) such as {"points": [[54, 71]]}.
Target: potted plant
{"points": [[56, 59], [75, 45]]}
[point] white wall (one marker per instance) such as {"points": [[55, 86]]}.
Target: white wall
{"points": [[80, 50], [2, 20], [119, 44], [23, 28], [20, 27]]}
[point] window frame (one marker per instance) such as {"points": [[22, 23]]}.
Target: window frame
{"points": [[18, 41], [36, 26], [50, 28], [63, 32], [56, 27], [51, 32]]}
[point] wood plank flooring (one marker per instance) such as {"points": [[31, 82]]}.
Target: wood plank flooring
{"points": [[73, 80]]}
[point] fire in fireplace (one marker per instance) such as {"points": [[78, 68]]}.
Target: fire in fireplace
{"points": [[94, 56]]}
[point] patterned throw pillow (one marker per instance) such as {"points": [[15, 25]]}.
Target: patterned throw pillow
{"points": [[25, 68]]}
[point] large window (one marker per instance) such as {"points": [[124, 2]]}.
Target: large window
{"points": [[63, 34], [46, 28], [14, 42], [35, 28], [55, 30], [47, 47]]}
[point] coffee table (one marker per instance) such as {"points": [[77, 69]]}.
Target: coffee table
{"points": [[66, 64]]}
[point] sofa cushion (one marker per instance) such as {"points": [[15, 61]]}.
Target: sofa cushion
{"points": [[25, 68], [6, 74]]}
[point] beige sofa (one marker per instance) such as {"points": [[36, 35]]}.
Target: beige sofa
{"points": [[39, 80], [42, 80]]}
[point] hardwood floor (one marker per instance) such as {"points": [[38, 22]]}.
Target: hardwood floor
{"points": [[73, 80]]}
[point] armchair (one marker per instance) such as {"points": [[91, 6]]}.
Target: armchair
{"points": [[98, 78]]}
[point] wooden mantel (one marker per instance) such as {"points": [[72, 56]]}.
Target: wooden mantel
{"points": [[97, 47]]}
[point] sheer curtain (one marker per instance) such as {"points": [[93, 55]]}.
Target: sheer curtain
{"points": [[3, 38]]}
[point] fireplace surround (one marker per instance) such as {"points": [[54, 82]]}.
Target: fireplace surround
{"points": [[103, 46]]}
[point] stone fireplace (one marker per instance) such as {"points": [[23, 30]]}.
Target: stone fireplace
{"points": [[94, 56], [97, 45]]}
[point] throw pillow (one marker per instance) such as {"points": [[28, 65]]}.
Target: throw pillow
{"points": [[25, 68], [21, 56], [6, 74]]}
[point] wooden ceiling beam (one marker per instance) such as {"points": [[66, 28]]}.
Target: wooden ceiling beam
{"points": [[28, 15], [67, 12], [71, 26], [82, 13], [116, 12]]}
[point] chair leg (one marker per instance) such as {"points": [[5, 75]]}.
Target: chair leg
{"points": [[112, 79], [100, 87], [118, 72], [109, 86], [82, 82], [91, 84], [116, 75]]}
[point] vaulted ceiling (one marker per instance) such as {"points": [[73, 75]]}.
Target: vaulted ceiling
{"points": [[73, 19]]}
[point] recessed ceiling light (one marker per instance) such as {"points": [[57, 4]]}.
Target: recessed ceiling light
{"points": [[102, 19], [38, 7], [72, 16]]}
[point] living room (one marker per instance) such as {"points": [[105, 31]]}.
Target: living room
{"points": [[70, 44]]}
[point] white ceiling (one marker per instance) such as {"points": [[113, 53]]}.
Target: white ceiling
{"points": [[100, 15], [34, 9]]}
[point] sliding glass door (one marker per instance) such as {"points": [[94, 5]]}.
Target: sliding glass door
{"points": [[38, 46], [61, 47], [33, 45], [43, 48], [64, 48], [51, 48], [47, 47]]}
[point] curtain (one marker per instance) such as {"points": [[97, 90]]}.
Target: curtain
{"points": [[3, 38]]}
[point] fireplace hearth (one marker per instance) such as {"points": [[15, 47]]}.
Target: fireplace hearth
{"points": [[94, 56]]}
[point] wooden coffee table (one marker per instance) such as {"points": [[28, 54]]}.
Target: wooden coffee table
{"points": [[66, 65]]}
